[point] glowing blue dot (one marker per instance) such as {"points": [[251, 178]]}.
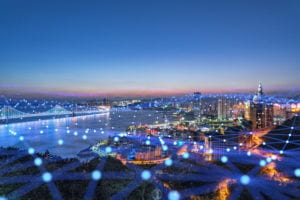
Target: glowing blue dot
{"points": [[224, 159], [84, 137], [60, 142], [248, 153], [297, 172], [41, 131], [96, 175], [2, 198], [175, 143], [262, 163], [245, 179], [264, 143], [147, 142], [173, 195], [31, 151], [185, 155], [165, 147], [281, 152], [21, 138], [227, 149], [47, 177], [168, 162], [68, 131], [116, 139], [234, 148], [38, 162], [292, 127], [108, 149], [146, 175], [75, 133], [269, 159]]}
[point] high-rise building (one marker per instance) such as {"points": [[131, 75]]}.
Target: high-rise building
{"points": [[238, 110], [224, 109], [259, 113], [197, 105], [280, 113]]}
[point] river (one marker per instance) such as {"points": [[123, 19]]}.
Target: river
{"points": [[65, 137]]}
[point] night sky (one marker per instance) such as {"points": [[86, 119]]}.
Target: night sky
{"points": [[148, 47]]}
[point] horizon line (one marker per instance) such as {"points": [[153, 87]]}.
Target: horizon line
{"points": [[140, 93]]}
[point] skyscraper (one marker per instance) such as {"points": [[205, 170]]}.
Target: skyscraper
{"points": [[197, 105], [258, 112], [224, 109]]}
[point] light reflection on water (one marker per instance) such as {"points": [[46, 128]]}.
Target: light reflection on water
{"points": [[44, 135]]}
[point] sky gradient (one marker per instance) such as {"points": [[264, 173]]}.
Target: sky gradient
{"points": [[148, 47]]}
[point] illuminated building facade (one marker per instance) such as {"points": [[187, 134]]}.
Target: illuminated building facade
{"points": [[259, 113], [238, 110], [197, 105], [295, 107], [224, 109]]}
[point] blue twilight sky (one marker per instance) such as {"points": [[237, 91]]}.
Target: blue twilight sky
{"points": [[126, 47]]}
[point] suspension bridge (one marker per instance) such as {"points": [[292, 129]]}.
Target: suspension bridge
{"points": [[9, 113]]}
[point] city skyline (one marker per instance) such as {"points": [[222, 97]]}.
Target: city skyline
{"points": [[148, 48]]}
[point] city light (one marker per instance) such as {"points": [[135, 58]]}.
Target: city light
{"points": [[149, 100]]}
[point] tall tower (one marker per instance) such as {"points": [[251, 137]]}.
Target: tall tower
{"points": [[260, 89], [223, 108], [197, 106], [220, 108], [260, 113]]}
